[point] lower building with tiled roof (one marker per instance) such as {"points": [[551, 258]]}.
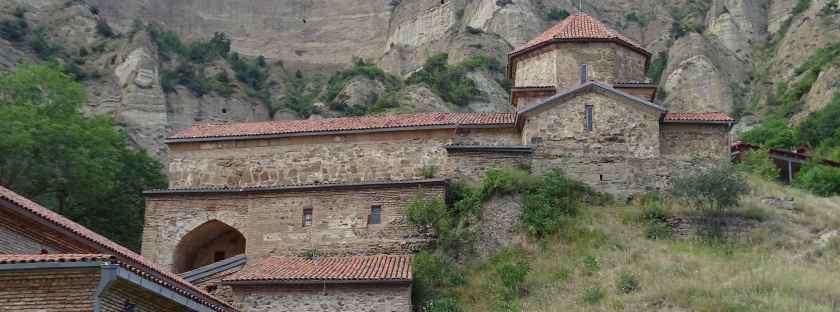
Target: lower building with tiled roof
{"points": [[70, 268]]}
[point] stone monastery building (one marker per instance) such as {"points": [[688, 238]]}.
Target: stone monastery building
{"points": [[308, 215]]}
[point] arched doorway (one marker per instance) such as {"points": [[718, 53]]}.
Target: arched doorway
{"points": [[208, 243]]}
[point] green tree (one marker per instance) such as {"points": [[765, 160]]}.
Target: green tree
{"points": [[76, 165]]}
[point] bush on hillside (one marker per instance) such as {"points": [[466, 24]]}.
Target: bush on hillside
{"points": [[758, 162], [14, 29], [434, 277], [104, 30], [774, 133], [714, 191], [820, 179], [450, 82]]}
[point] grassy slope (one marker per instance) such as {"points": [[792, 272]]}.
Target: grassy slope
{"points": [[778, 266]]}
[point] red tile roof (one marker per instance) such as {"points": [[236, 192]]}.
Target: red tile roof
{"points": [[9, 259], [382, 268], [145, 267], [711, 117], [580, 27], [331, 125]]}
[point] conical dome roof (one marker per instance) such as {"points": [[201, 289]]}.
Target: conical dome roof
{"points": [[580, 27]]}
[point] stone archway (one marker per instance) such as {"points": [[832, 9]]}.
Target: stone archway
{"points": [[208, 243]]}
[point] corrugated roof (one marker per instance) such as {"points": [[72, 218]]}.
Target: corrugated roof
{"points": [[580, 27], [290, 270], [145, 268], [705, 117], [333, 125]]}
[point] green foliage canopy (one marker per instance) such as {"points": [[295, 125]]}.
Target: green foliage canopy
{"points": [[77, 165]]}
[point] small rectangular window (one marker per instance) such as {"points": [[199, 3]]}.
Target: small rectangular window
{"points": [[307, 217], [588, 117], [375, 214], [218, 256]]}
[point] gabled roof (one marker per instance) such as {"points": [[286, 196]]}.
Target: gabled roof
{"points": [[144, 267], [347, 270], [579, 27], [698, 118], [588, 86], [328, 126]]}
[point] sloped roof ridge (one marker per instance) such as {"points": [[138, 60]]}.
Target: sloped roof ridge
{"points": [[587, 85], [181, 286], [288, 269], [580, 27]]}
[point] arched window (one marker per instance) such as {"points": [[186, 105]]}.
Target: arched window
{"points": [[206, 244]]}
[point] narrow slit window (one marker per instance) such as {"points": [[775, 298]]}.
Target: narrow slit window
{"points": [[588, 117], [218, 256], [307, 217], [375, 214]]}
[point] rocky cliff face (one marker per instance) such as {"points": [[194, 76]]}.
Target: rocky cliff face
{"points": [[717, 55]]}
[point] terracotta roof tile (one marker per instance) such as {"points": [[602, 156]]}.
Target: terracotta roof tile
{"points": [[714, 117], [9, 259], [580, 27], [319, 126], [336, 269], [145, 267]]}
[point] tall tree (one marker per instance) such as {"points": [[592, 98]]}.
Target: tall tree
{"points": [[76, 165]]}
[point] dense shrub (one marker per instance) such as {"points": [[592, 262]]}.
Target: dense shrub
{"points": [[820, 179], [774, 133], [594, 295], [802, 6], [821, 126], [104, 30], [627, 283], [360, 67], [40, 43], [14, 29], [657, 67], [714, 191], [511, 268], [759, 163], [449, 82], [434, 277], [655, 217]]}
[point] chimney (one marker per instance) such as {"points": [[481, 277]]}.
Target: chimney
{"points": [[584, 73]]}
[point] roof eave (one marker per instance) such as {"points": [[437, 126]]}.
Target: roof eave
{"points": [[269, 282], [289, 188], [584, 87], [176, 140]]}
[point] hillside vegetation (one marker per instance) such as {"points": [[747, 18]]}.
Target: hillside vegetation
{"points": [[774, 248]]}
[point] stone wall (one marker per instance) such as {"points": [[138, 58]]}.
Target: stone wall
{"points": [[537, 68], [525, 98], [630, 66], [559, 65], [475, 164], [681, 141], [70, 290], [272, 221], [169, 218], [323, 298], [621, 128], [339, 158], [622, 175]]}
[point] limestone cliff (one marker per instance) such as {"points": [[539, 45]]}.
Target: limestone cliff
{"points": [[722, 55]]}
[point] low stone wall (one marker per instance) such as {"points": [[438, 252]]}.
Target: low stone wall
{"points": [[694, 140], [475, 164], [623, 176], [324, 298]]}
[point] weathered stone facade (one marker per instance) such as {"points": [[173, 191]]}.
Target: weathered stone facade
{"points": [[686, 141], [272, 220], [620, 127], [332, 158], [559, 64], [326, 297]]}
